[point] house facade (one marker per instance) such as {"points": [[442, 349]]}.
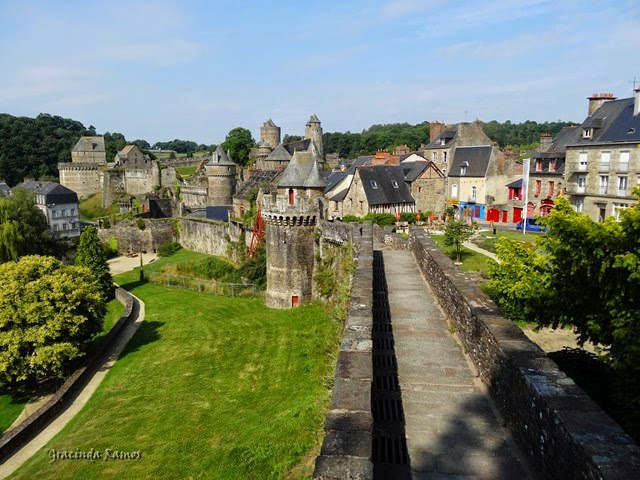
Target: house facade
{"points": [[467, 180], [603, 164], [58, 204]]}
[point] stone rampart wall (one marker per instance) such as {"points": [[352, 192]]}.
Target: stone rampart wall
{"points": [[346, 449], [562, 431], [205, 236], [19, 436], [132, 239]]}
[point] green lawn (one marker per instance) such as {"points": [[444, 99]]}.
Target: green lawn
{"points": [[472, 261], [91, 208], [209, 387], [186, 172], [487, 240], [12, 404]]}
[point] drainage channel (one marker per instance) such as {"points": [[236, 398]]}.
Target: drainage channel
{"points": [[389, 447]]}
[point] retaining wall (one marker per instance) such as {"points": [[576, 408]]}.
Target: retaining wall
{"points": [[562, 431], [19, 436], [346, 449]]}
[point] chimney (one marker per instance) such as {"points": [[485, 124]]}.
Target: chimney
{"points": [[636, 101], [435, 129], [597, 99], [546, 140]]}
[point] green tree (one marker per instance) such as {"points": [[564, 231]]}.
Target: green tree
{"points": [[48, 314], [455, 234], [23, 228], [91, 254], [239, 143]]}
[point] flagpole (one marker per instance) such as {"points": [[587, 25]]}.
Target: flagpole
{"points": [[525, 187]]}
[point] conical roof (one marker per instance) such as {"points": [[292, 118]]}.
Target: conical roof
{"points": [[220, 157], [314, 119], [302, 172], [279, 154]]}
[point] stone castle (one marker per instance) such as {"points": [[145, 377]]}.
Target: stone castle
{"points": [[130, 172]]}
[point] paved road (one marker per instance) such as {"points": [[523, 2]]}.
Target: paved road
{"points": [[451, 428], [31, 448]]}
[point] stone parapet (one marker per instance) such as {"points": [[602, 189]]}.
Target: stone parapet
{"points": [[346, 449], [562, 431]]}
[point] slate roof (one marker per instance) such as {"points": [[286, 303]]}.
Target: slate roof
{"points": [[269, 123], [360, 162], [297, 146], [413, 170], [333, 179], [384, 184], [475, 158], [566, 136], [279, 154], [447, 134], [613, 122], [89, 144], [559, 168], [53, 192], [405, 156], [258, 177], [219, 157], [302, 172], [314, 119], [516, 184]]}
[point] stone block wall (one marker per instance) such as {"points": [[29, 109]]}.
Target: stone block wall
{"points": [[562, 431], [346, 449], [132, 239], [205, 236]]}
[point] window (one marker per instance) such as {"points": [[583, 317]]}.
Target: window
{"points": [[624, 162], [587, 132], [552, 186], [291, 196], [538, 188], [55, 227], [73, 212], [552, 165], [617, 208], [474, 192], [444, 158], [454, 190], [582, 162], [463, 170], [434, 157], [622, 185], [605, 161], [582, 183], [374, 184], [64, 226], [539, 165], [604, 184], [395, 184], [579, 204]]}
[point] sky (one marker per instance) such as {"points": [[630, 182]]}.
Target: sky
{"points": [[194, 69]]}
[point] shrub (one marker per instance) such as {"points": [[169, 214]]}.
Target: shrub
{"points": [[140, 223], [168, 248]]}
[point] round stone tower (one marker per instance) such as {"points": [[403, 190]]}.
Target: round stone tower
{"points": [[270, 134], [313, 130], [221, 178], [290, 215]]}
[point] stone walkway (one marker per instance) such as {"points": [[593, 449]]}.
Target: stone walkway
{"points": [[451, 428]]}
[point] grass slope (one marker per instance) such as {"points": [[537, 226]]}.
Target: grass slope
{"points": [[209, 387], [11, 405]]}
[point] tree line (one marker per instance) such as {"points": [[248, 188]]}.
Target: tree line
{"points": [[32, 147]]}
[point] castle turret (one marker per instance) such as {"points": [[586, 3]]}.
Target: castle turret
{"points": [[290, 215], [221, 178], [313, 130], [270, 134]]}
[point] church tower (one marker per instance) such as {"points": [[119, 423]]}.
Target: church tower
{"points": [[221, 178], [290, 215], [313, 130]]}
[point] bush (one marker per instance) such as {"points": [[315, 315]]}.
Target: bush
{"points": [[168, 248], [212, 268], [140, 223]]}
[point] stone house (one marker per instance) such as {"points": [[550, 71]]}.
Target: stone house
{"points": [[378, 189], [58, 204], [131, 156], [467, 187], [426, 182], [603, 163]]}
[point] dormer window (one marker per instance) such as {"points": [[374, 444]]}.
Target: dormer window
{"points": [[552, 165], [395, 184], [538, 165], [463, 168], [587, 132], [443, 141], [374, 184]]}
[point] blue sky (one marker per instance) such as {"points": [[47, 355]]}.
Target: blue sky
{"points": [[193, 70]]}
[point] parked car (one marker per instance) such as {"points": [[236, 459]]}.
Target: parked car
{"points": [[532, 225]]}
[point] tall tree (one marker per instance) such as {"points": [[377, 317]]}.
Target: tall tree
{"points": [[23, 228], [91, 254], [239, 143], [455, 234], [48, 314]]}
